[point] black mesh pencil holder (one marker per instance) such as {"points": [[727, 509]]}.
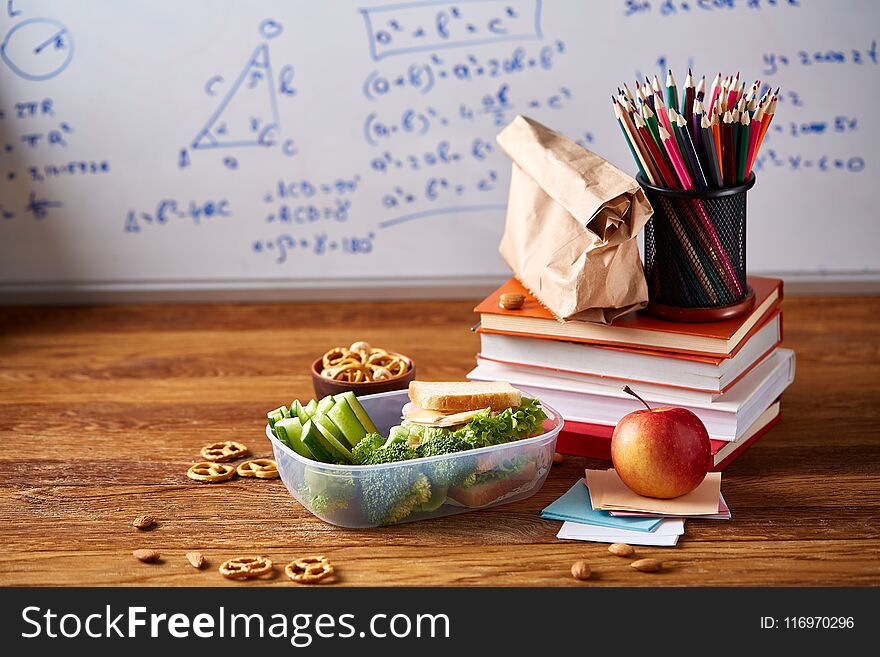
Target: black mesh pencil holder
{"points": [[695, 253]]}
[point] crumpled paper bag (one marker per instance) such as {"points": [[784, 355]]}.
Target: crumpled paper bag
{"points": [[572, 219]]}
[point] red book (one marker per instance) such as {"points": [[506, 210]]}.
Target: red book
{"points": [[636, 331], [594, 440]]}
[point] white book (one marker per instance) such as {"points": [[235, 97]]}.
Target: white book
{"points": [[606, 366], [667, 533], [727, 416]]}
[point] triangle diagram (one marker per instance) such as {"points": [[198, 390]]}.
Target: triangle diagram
{"points": [[248, 113]]}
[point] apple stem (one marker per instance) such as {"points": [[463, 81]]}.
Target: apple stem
{"points": [[630, 391]]}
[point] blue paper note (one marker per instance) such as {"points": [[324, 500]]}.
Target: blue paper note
{"points": [[575, 506]]}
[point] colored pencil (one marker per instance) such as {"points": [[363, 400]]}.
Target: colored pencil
{"points": [[677, 163], [742, 152], [727, 147], [689, 95], [671, 92], [666, 175], [708, 143], [754, 132], [701, 89], [691, 152]]}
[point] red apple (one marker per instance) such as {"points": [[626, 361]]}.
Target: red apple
{"points": [[660, 452]]}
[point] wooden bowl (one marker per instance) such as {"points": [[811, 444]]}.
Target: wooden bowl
{"points": [[324, 386]]}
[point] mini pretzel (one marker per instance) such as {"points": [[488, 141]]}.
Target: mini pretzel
{"points": [[379, 373], [309, 570], [246, 567], [210, 473], [334, 357], [228, 450], [259, 468]]}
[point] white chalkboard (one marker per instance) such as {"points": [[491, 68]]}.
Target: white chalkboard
{"points": [[308, 145]]}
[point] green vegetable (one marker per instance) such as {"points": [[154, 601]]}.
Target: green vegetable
{"points": [[325, 404], [311, 407], [392, 494], [362, 415], [344, 417], [313, 439], [367, 445], [289, 431], [299, 411], [340, 452], [324, 492], [277, 414], [437, 499], [449, 472], [509, 425]]}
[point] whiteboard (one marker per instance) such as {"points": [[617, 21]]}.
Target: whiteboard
{"points": [[302, 145]]}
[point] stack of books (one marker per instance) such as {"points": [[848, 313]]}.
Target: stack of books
{"points": [[730, 373]]}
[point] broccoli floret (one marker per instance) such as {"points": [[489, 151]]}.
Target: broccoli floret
{"points": [[367, 445], [324, 494], [392, 494], [450, 471], [391, 454]]}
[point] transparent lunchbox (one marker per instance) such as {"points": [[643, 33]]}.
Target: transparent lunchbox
{"points": [[392, 493]]}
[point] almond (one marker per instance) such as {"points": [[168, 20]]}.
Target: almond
{"points": [[647, 565], [581, 570], [511, 301], [143, 522], [196, 560], [147, 556], [621, 549], [557, 458]]}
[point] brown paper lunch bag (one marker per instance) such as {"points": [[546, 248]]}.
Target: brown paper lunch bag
{"points": [[572, 220]]}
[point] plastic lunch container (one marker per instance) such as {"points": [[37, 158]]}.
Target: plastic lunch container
{"points": [[345, 495]]}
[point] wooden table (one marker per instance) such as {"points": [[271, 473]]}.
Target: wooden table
{"points": [[103, 409]]}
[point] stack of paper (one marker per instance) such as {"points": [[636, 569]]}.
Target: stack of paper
{"points": [[601, 508]]}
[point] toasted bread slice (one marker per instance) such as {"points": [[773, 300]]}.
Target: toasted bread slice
{"points": [[458, 396]]}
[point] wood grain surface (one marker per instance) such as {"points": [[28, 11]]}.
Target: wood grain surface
{"points": [[103, 409]]}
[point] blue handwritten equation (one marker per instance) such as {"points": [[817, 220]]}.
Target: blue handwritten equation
{"points": [[170, 210], [280, 246], [467, 68], [677, 7], [301, 201], [824, 163], [857, 56], [420, 26]]}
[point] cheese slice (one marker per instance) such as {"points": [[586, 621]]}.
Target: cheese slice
{"points": [[427, 418]]}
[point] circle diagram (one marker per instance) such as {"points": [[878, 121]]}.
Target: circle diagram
{"points": [[37, 48]]}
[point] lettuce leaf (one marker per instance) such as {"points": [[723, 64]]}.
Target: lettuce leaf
{"points": [[509, 425]]}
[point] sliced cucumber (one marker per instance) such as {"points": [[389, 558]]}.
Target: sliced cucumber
{"points": [[326, 423], [311, 407], [325, 404], [278, 413], [300, 411], [289, 431], [313, 439], [348, 423], [333, 445], [362, 416], [273, 418]]}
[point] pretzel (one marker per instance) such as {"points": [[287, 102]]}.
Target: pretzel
{"points": [[379, 373], [334, 357], [309, 570], [259, 468], [246, 567], [227, 450], [362, 363], [210, 473]]}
